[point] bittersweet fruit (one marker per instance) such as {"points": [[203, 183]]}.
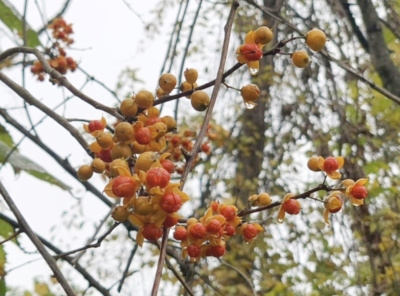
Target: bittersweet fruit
{"points": [[300, 58]]}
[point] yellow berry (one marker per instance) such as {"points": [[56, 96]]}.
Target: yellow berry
{"points": [[300, 58], [191, 75], [264, 199], [105, 140], [124, 131], [316, 39], [115, 164], [160, 93], [185, 86], [138, 148], [250, 93], [84, 173], [128, 107], [170, 122], [145, 161], [313, 164], [263, 35], [200, 100], [167, 82], [121, 150], [120, 214], [144, 99], [98, 166]]}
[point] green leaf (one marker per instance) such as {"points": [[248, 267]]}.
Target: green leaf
{"points": [[13, 20], [20, 162], [5, 137], [6, 230]]}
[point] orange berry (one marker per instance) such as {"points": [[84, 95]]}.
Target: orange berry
{"points": [[145, 161], [105, 155], [334, 204], [300, 58], [249, 231], [264, 199], [123, 186], [228, 211], [158, 177], [171, 202]]}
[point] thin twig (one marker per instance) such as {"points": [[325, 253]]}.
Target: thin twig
{"points": [[35, 240], [179, 277], [15, 234], [218, 82], [128, 264], [61, 79], [30, 99], [248, 281], [92, 282], [160, 264]]}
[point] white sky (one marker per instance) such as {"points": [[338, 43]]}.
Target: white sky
{"points": [[108, 38]]}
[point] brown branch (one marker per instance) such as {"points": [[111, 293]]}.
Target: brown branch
{"points": [[160, 264], [27, 97], [36, 241], [60, 78], [15, 234], [94, 245], [92, 282]]}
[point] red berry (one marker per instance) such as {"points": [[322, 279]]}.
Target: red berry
{"points": [[151, 121], [213, 227], [171, 202], [251, 52], [168, 165], [152, 232], [216, 251], [105, 155], [291, 206], [143, 136], [197, 230], [170, 221], [228, 211], [180, 233], [250, 231], [123, 186], [194, 251], [229, 230], [331, 164], [158, 177], [95, 125], [359, 192]]}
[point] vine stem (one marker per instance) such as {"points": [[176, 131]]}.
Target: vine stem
{"points": [[35, 240], [199, 140]]}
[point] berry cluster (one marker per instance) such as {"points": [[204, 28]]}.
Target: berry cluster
{"points": [[61, 32], [207, 236], [315, 39]]}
